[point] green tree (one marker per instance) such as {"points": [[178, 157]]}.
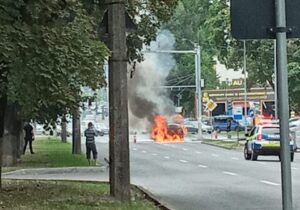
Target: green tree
{"points": [[49, 50], [260, 53], [229, 51], [187, 25]]}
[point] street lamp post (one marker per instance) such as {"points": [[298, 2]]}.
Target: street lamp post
{"points": [[226, 96]]}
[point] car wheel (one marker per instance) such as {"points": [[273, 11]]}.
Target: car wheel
{"points": [[246, 153], [292, 157], [253, 156]]}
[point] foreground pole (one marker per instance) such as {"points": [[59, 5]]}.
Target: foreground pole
{"points": [[118, 103], [283, 104]]}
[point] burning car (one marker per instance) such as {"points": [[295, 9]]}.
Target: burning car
{"points": [[163, 131]]}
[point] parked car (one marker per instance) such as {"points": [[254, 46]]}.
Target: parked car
{"points": [[39, 130], [294, 122], [265, 140], [219, 123], [101, 129], [192, 127]]}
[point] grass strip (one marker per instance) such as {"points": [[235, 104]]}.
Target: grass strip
{"points": [[224, 144], [49, 152], [67, 195]]}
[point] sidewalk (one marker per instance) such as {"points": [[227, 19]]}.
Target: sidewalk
{"points": [[100, 174], [66, 173]]}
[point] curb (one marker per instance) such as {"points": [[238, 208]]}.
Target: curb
{"points": [[149, 196], [220, 146]]}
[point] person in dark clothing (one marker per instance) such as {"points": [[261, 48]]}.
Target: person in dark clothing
{"points": [[90, 134], [29, 137], [228, 125]]}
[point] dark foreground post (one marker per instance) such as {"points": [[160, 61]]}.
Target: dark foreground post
{"points": [[118, 103]]}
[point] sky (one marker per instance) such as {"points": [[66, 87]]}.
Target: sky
{"points": [[227, 73]]}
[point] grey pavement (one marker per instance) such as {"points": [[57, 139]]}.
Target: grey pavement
{"points": [[67, 173]]}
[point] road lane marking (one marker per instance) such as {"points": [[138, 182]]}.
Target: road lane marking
{"points": [[183, 161], [135, 149], [154, 154], [166, 157], [185, 149], [235, 158], [214, 155], [269, 183], [261, 163], [229, 173], [202, 166], [144, 151], [198, 152]]}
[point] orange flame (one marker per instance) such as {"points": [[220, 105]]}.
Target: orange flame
{"points": [[162, 132]]}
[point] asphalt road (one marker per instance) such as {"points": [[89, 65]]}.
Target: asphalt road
{"points": [[195, 176]]}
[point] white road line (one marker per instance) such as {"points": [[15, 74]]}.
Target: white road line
{"points": [[198, 152], [144, 151], [235, 158], [183, 161], [166, 157], [229, 173], [261, 163], [154, 154], [135, 149], [214, 155], [202, 166], [294, 168], [269, 183], [185, 149]]}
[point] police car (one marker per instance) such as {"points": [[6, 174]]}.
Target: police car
{"points": [[265, 140]]}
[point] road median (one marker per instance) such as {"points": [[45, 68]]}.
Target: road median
{"points": [[226, 144]]}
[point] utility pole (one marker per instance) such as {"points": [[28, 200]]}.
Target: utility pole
{"points": [[283, 104], [198, 89], [275, 83], [245, 86], [119, 175]]}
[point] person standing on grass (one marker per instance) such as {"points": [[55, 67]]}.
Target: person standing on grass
{"points": [[29, 137], [90, 134]]}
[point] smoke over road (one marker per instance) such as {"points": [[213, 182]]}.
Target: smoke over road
{"points": [[146, 98]]}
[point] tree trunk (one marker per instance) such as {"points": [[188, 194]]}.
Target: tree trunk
{"points": [[2, 114], [20, 140], [76, 134], [64, 130], [11, 137]]}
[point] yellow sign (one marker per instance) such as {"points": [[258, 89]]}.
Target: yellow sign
{"points": [[237, 82], [205, 97], [211, 105]]}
